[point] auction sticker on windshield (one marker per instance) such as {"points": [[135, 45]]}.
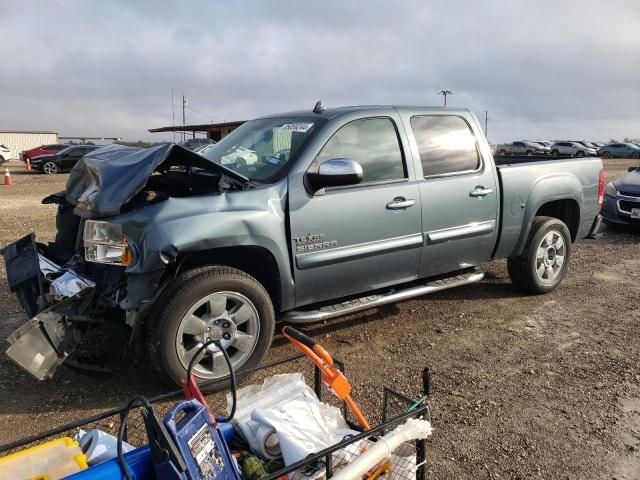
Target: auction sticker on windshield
{"points": [[296, 127]]}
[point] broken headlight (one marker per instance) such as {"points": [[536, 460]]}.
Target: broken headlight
{"points": [[105, 243]]}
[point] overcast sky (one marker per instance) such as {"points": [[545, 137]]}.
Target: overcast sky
{"points": [[543, 69]]}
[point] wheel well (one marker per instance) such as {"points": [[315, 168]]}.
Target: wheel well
{"points": [[566, 210], [256, 261]]}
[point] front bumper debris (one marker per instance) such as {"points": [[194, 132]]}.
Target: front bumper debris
{"points": [[42, 344], [57, 299]]}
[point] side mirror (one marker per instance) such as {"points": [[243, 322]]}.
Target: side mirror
{"points": [[631, 169], [334, 173]]}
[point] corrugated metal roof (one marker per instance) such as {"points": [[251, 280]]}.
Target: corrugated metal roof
{"points": [[36, 132]]}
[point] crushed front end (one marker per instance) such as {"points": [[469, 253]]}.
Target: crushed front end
{"points": [[104, 266]]}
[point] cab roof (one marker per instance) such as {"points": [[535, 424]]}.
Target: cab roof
{"points": [[333, 112]]}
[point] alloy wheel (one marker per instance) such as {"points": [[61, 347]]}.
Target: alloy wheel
{"points": [[226, 316], [550, 256]]}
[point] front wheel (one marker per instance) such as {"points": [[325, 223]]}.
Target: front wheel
{"points": [[545, 258], [210, 303], [50, 168], [580, 154], [555, 153]]}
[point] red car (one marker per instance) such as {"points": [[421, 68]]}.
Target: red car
{"points": [[42, 150]]}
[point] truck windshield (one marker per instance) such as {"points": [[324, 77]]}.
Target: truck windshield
{"points": [[261, 149]]}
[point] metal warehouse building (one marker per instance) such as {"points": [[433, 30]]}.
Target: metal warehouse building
{"points": [[18, 140]]}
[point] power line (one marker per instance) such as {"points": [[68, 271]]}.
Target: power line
{"points": [[202, 113]]}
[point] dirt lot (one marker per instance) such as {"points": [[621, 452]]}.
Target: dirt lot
{"points": [[524, 386]]}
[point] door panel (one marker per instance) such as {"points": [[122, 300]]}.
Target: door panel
{"points": [[459, 193], [349, 240], [460, 229]]}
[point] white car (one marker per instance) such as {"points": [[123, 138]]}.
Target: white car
{"points": [[5, 154], [240, 156], [573, 149]]}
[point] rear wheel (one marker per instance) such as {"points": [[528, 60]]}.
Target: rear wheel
{"points": [[210, 303], [545, 259], [50, 168], [529, 153], [636, 155]]}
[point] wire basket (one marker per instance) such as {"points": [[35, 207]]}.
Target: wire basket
{"points": [[408, 461]]}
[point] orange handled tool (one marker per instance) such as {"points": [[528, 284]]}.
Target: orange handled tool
{"points": [[332, 377]]}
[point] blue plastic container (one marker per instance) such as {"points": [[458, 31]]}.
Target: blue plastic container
{"points": [[138, 460], [202, 446]]}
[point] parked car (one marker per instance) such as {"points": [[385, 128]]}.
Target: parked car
{"points": [[586, 144], [62, 161], [51, 149], [621, 206], [522, 148], [5, 154], [346, 209], [572, 149], [194, 143], [619, 150]]}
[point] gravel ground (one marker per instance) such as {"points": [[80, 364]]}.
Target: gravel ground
{"points": [[523, 386]]}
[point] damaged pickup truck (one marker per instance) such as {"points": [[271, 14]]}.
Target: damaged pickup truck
{"points": [[338, 210]]}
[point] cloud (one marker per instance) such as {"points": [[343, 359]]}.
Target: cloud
{"points": [[543, 69]]}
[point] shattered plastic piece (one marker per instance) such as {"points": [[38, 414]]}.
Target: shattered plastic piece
{"points": [[69, 284], [47, 267]]}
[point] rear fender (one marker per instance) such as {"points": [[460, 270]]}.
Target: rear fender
{"points": [[547, 189]]}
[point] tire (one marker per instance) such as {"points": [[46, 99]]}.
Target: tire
{"points": [[606, 154], [529, 153], [502, 153], [525, 269], [580, 153], [636, 155], [555, 153], [240, 163], [171, 334], [50, 168]]}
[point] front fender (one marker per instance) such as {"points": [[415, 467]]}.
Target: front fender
{"points": [[160, 233]]}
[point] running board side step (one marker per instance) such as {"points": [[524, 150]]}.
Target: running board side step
{"points": [[372, 301]]}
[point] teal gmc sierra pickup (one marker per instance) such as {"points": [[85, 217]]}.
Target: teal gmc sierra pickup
{"points": [[295, 217]]}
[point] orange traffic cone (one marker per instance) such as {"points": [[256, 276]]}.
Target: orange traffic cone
{"points": [[7, 176], [28, 164]]}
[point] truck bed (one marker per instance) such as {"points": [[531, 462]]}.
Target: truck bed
{"points": [[518, 159], [528, 183]]}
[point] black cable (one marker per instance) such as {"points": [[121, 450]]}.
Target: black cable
{"points": [[232, 374], [123, 424]]}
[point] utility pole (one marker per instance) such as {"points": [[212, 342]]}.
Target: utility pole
{"points": [[173, 117], [184, 123], [445, 93], [486, 123]]}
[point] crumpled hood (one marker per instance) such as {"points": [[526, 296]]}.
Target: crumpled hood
{"points": [[107, 178], [630, 183]]}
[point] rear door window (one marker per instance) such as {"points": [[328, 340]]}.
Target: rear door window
{"points": [[446, 144]]}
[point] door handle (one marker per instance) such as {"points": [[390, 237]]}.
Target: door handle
{"points": [[400, 203], [480, 191]]}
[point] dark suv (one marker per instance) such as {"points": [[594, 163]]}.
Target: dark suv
{"points": [[64, 160]]}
